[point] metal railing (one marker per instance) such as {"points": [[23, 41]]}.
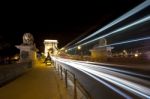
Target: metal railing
{"points": [[67, 75]]}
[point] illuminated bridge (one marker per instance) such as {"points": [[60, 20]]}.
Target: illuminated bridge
{"points": [[111, 63]]}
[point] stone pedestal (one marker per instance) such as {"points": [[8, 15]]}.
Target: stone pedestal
{"points": [[27, 48], [27, 52], [99, 54]]}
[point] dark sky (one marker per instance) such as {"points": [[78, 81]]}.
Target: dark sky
{"points": [[61, 21]]}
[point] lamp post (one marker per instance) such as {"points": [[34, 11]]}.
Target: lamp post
{"points": [[80, 52], [79, 47]]}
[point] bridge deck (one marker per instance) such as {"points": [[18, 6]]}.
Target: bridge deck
{"points": [[39, 83]]}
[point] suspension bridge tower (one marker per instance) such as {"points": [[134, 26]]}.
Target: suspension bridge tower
{"points": [[50, 47]]}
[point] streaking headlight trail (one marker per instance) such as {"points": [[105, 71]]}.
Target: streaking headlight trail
{"points": [[145, 19], [123, 17], [122, 80]]}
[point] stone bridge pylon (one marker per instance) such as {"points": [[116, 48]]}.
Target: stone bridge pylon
{"points": [[27, 48]]}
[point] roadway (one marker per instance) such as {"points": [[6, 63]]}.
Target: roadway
{"points": [[124, 83]]}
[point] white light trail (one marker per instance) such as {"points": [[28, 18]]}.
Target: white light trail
{"points": [[120, 29], [147, 18], [129, 41], [103, 82], [135, 88], [123, 17], [107, 84], [100, 66]]}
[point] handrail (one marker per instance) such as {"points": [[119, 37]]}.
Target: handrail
{"points": [[59, 68]]}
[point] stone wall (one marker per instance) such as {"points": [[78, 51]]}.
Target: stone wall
{"points": [[11, 71]]}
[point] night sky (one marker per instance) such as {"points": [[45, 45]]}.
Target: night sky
{"points": [[60, 21]]}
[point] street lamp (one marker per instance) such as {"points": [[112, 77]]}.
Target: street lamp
{"points": [[136, 54], [79, 47], [80, 52], [66, 50]]}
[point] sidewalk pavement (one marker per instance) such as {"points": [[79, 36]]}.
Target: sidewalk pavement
{"points": [[39, 83]]}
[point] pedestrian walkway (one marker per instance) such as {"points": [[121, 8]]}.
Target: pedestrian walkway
{"points": [[41, 82]]}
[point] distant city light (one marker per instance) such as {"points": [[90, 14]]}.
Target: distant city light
{"points": [[16, 57], [66, 51], [136, 55]]}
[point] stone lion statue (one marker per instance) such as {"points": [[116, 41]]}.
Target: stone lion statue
{"points": [[28, 39], [102, 42]]}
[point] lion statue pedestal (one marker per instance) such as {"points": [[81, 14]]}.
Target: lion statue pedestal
{"points": [[27, 48]]}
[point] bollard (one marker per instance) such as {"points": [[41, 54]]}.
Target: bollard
{"points": [[58, 69], [61, 73], [75, 90], [66, 78]]}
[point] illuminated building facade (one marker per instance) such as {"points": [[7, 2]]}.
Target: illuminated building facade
{"points": [[50, 47]]}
